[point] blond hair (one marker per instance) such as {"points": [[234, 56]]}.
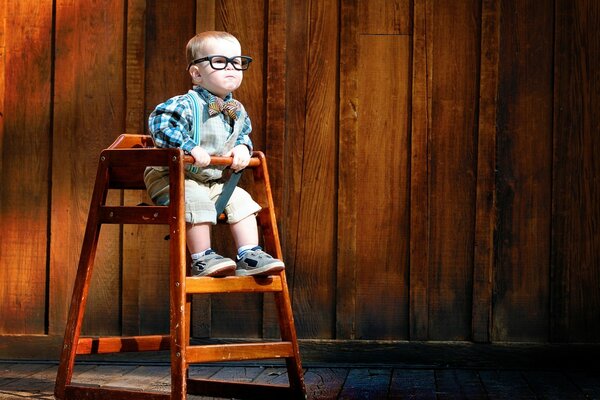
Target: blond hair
{"points": [[196, 46]]}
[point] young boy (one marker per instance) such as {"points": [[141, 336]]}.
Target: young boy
{"points": [[208, 121]]}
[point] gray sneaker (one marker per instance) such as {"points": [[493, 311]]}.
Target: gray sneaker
{"points": [[257, 262], [212, 264]]}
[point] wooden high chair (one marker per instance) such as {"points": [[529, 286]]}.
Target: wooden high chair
{"points": [[121, 166]]}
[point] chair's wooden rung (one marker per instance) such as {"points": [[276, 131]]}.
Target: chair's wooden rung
{"points": [[239, 352], [134, 215], [122, 344], [215, 388], [233, 284], [79, 392]]}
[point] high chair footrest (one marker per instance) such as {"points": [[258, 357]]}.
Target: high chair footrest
{"points": [[121, 344], [239, 352], [233, 284]]}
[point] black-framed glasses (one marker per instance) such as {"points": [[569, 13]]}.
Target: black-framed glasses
{"points": [[217, 62]]}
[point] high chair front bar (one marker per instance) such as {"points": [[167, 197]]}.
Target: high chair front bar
{"points": [[121, 166]]}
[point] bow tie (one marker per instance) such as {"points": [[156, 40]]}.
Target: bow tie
{"points": [[217, 105]]}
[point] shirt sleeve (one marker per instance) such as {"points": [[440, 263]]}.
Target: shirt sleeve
{"points": [[170, 124]]}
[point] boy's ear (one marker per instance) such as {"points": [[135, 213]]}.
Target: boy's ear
{"points": [[194, 73]]}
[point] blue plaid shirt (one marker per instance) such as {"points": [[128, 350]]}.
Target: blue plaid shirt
{"points": [[171, 123]]}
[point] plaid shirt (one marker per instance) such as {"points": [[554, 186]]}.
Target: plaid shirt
{"points": [[171, 124]]}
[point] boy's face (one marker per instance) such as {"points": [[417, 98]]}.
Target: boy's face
{"points": [[218, 82]]}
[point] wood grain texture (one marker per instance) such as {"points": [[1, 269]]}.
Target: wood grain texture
{"points": [[135, 122], [419, 170], [347, 183], [383, 17], [382, 215], [88, 114], [2, 75], [485, 222], [313, 163], [499, 209], [25, 136], [367, 383], [241, 315], [274, 103], [145, 250], [524, 172], [373, 180], [205, 15], [296, 78], [275, 127], [575, 265], [452, 164]]}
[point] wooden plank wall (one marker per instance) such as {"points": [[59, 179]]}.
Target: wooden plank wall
{"points": [[574, 271], [433, 164], [27, 68]]}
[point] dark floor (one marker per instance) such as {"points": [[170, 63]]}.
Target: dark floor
{"points": [[35, 380]]}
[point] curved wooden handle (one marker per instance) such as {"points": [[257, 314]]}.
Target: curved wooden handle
{"points": [[214, 160]]}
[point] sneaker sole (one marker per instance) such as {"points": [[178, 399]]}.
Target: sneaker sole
{"points": [[266, 270]]}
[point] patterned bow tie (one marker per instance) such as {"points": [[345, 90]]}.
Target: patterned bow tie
{"points": [[217, 105]]}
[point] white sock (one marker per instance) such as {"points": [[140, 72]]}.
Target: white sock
{"points": [[244, 249], [196, 256]]}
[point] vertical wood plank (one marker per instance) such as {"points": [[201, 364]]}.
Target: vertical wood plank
{"points": [[524, 163], [486, 166], [419, 181], [241, 315], [2, 73], [274, 99], [25, 138], [135, 122], [575, 265], [383, 179], [524, 120], [314, 167], [455, 94], [347, 184], [201, 304], [387, 17], [275, 127], [88, 114], [296, 71], [167, 34], [205, 15]]}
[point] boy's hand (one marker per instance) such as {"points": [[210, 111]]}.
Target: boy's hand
{"points": [[201, 157], [241, 157]]}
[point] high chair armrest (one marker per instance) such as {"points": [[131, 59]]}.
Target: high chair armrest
{"points": [[217, 160], [134, 141]]}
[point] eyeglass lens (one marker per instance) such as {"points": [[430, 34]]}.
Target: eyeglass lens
{"points": [[220, 62]]}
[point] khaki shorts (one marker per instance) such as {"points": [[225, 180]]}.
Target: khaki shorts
{"points": [[200, 198]]}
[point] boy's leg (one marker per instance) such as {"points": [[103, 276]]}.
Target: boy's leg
{"points": [[253, 260], [245, 232], [198, 237], [206, 262]]}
